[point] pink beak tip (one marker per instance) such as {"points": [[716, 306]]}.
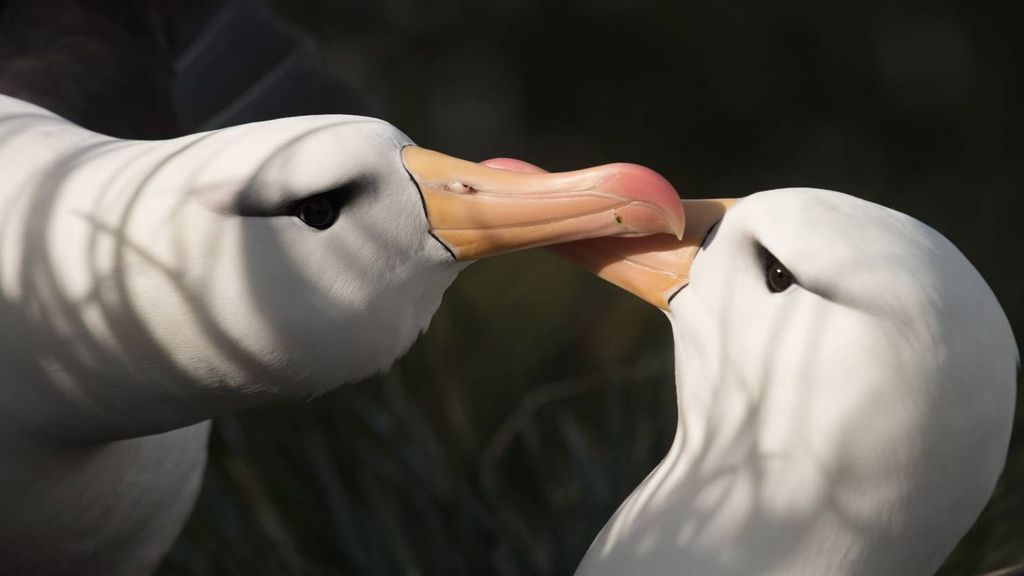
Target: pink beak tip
{"points": [[645, 185]]}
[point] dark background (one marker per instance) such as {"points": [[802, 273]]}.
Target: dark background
{"points": [[540, 397]]}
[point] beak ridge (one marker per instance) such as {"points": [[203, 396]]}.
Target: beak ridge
{"points": [[480, 210]]}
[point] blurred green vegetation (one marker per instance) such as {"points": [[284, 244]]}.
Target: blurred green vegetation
{"points": [[539, 397]]}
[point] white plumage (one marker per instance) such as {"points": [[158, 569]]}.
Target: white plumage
{"points": [[852, 424], [146, 287]]}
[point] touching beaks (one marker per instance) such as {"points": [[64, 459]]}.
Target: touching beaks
{"points": [[654, 267], [479, 210]]}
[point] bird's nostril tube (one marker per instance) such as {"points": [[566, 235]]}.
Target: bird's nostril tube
{"points": [[459, 188]]}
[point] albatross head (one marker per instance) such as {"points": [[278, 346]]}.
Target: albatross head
{"points": [[846, 386], [165, 282], [342, 235]]}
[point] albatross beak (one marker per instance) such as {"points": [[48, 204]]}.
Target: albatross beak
{"points": [[480, 210], [654, 267]]}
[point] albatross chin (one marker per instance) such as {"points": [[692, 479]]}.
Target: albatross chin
{"points": [[845, 382], [147, 286]]}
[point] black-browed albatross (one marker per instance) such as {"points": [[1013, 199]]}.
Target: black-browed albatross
{"points": [[845, 382], [149, 285]]}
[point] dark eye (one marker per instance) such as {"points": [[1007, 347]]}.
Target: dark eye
{"points": [[777, 276], [317, 212]]}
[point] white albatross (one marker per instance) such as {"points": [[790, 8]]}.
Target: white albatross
{"points": [[147, 286], [845, 383]]}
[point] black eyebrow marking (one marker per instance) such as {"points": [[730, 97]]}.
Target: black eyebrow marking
{"points": [[711, 232], [703, 242]]}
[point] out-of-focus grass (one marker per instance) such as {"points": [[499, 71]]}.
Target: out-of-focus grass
{"points": [[458, 460], [461, 460]]}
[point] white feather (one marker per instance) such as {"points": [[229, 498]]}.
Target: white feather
{"points": [[146, 287], [854, 424]]}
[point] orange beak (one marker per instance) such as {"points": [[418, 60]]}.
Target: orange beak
{"points": [[655, 267], [480, 210]]}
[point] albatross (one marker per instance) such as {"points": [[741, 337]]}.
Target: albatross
{"points": [[845, 384], [147, 286]]}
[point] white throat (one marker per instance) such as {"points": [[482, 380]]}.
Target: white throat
{"points": [[854, 425]]}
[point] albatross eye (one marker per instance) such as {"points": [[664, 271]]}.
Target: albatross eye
{"points": [[317, 212], [777, 276]]}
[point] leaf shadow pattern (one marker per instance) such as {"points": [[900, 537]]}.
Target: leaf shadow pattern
{"points": [[92, 266]]}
